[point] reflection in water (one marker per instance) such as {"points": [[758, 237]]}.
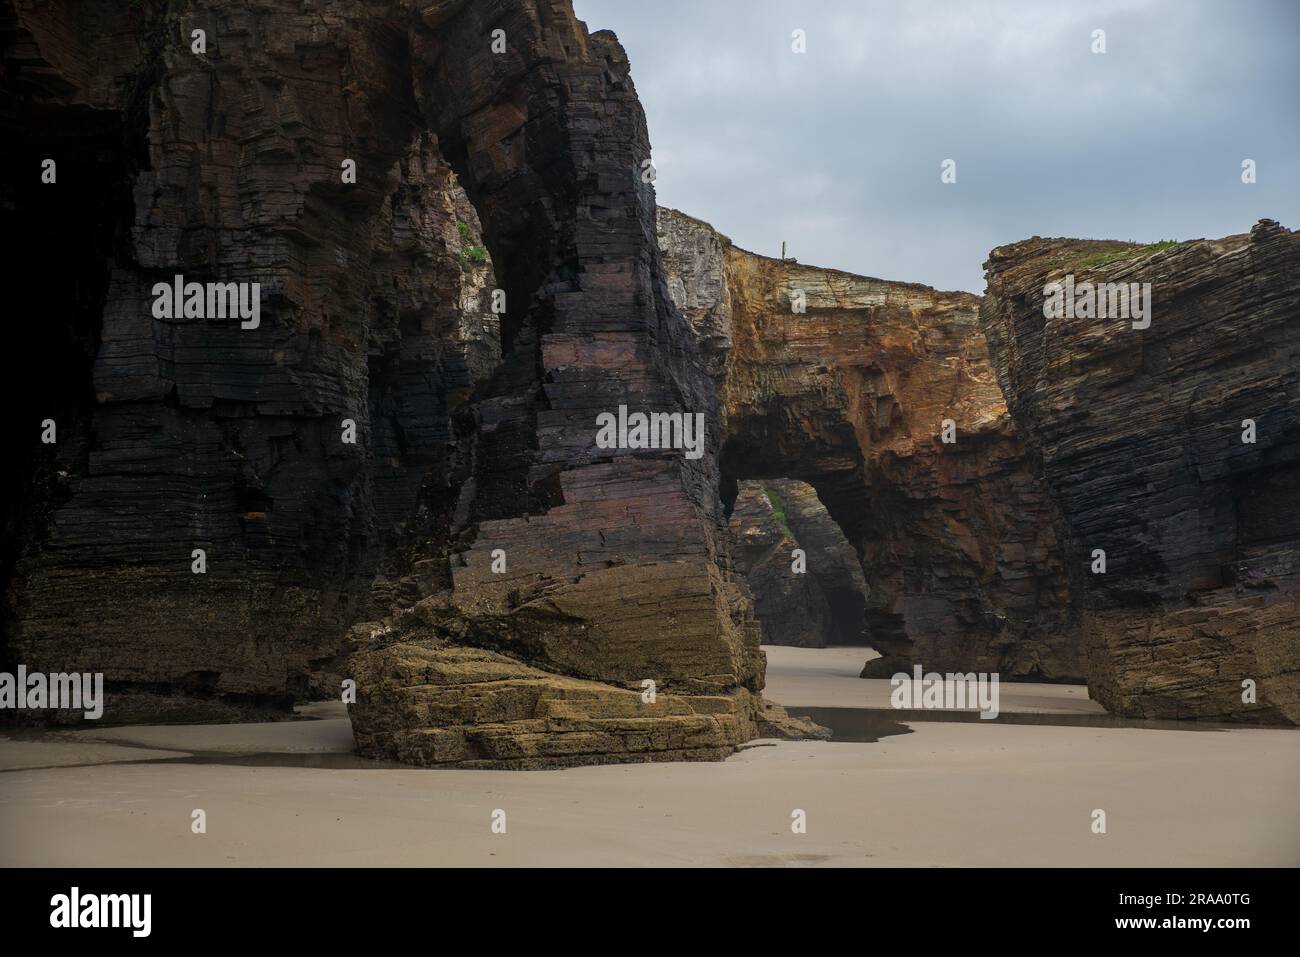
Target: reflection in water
{"points": [[854, 724], [871, 724]]}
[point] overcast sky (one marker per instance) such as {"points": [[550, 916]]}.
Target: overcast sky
{"points": [[838, 150]]}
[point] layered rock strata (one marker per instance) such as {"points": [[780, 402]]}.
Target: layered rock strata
{"points": [[184, 434], [437, 695], [1174, 450], [832, 561], [845, 382], [474, 488], [824, 601], [527, 597]]}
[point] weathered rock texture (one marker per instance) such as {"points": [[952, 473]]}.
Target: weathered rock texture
{"points": [[1138, 435], [832, 561], [225, 166], [439, 697], [957, 544], [823, 605], [515, 595], [791, 608], [184, 434]]}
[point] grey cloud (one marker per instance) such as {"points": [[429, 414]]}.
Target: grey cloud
{"points": [[838, 151]]}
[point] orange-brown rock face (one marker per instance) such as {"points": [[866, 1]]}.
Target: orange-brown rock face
{"points": [[846, 382], [1172, 443]]}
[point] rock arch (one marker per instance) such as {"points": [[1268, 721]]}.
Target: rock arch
{"points": [[956, 540], [616, 629]]}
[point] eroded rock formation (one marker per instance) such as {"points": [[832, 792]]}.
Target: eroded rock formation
{"points": [[850, 395], [791, 608], [176, 435], [1139, 436], [513, 594], [612, 627], [823, 605], [832, 561]]}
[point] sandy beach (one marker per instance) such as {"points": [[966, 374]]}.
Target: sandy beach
{"points": [[828, 678], [968, 794]]}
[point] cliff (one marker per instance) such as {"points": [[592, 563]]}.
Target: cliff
{"points": [[392, 473], [1173, 449], [183, 434], [527, 598], [845, 382], [822, 603]]}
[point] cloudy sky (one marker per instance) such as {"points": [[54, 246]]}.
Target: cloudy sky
{"points": [[838, 150]]}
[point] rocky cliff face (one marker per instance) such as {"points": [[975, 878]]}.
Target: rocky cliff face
{"points": [[180, 434], [832, 561], [571, 603], [459, 269], [845, 382], [1175, 450], [822, 604], [790, 608]]}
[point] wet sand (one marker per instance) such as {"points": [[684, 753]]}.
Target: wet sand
{"points": [[828, 678], [981, 793]]}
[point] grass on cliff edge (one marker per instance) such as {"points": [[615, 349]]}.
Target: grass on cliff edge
{"points": [[469, 253], [1102, 259], [778, 509]]}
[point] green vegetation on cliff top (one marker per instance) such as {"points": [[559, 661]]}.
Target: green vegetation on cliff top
{"points": [[1101, 259]]}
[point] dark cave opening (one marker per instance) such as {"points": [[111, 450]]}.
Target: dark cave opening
{"points": [[71, 231]]}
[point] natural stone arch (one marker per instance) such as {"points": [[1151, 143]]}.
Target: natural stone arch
{"points": [[618, 564], [844, 382]]}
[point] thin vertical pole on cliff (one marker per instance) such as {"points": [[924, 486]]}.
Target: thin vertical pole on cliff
{"points": [[783, 249]]}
